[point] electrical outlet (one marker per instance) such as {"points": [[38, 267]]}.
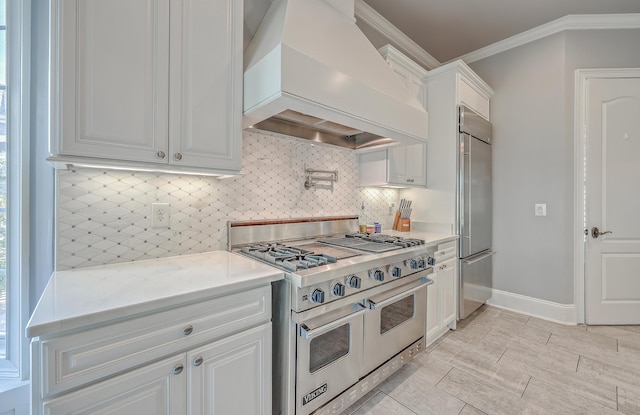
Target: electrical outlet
{"points": [[541, 209], [159, 215]]}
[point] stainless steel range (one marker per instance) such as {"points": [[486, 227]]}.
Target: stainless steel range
{"points": [[350, 312]]}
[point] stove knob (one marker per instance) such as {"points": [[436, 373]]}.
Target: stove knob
{"points": [[431, 261], [354, 281], [377, 274], [412, 263], [422, 264], [338, 289], [395, 272], [317, 296]]}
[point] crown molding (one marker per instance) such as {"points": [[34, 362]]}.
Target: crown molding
{"points": [[407, 46], [368, 15], [569, 22]]}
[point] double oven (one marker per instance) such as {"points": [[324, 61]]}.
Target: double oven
{"points": [[347, 318]]}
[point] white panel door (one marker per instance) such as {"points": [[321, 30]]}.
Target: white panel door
{"points": [[206, 83], [613, 201], [113, 64], [232, 376], [155, 389]]}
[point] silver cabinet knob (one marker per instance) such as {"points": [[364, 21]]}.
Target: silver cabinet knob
{"points": [[187, 330], [177, 156], [595, 232], [198, 361], [161, 154], [177, 369]]}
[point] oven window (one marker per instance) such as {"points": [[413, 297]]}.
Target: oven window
{"points": [[396, 313], [329, 347]]}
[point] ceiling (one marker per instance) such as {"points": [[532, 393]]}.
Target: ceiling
{"points": [[448, 29]]}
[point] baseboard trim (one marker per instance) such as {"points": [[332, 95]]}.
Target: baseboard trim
{"points": [[547, 310]]}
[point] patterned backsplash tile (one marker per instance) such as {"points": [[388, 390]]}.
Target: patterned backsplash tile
{"points": [[104, 216]]}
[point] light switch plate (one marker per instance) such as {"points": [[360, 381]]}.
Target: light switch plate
{"points": [[541, 209]]}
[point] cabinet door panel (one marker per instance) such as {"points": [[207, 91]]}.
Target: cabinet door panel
{"points": [[433, 314], [243, 359], [152, 389], [206, 81], [113, 77], [447, 278]]}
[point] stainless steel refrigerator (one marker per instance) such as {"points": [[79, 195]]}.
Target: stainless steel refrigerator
{"points": [[474, 211]]}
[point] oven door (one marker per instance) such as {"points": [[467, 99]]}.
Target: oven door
{"points": [[397, 318], [329, 349]]}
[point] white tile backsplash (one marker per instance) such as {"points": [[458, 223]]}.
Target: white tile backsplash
{"points": [[104, 216]]}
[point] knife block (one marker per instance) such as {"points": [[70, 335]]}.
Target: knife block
{"points": [[405, 225]]}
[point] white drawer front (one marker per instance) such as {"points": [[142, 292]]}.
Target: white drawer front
{"points": [[445, 252], [77, 359]]}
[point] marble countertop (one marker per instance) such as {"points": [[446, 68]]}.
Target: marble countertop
{"points": [[94, 295], [430, 238]]}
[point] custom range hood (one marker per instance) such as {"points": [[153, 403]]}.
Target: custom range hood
{"points": [[311, 73]]}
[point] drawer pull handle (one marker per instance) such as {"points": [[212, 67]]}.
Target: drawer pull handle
{"points": [[198, 361], [160, 154], [178, 369], [187, 330], [177, 156]]}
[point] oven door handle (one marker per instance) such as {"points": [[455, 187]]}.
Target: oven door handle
{"points": [[406, 290], [307, 333]]}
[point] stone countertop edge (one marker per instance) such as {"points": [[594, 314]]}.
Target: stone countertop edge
{"points": [[93, 296], [430, 238]]}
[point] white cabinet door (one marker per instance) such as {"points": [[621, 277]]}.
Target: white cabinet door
{"points": [[155, 389], [433, 312], [206, 83], [407, 165], [232, 376], [110, 96], [447, 284]]}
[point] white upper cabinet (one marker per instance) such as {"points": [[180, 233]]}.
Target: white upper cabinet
{"points": [[403, 166], [148, 83]]}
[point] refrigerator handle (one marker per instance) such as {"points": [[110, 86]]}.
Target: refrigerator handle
{"points": [[478, 258]]}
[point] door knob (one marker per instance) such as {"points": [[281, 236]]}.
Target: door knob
{"points": [[595, 232]]}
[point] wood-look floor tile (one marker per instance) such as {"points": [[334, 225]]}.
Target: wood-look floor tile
{"points": [[414, 389], [584, 343], [381, 404], [555, 327], [521, 332], [554, 374], [628, 401], [469, 359], [485, 396], [470, 410], [434, 368], [542, 356], [624, 377], [561, 401]]}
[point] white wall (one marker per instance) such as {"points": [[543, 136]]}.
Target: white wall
{"points": [[532, 114]]}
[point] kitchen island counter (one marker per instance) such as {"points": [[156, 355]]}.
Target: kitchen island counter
{"points": [[81, 298]]}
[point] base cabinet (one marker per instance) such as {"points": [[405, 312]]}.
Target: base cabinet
{"points": [[231, 376], [152, 389], [212, 357], [441, 295]]}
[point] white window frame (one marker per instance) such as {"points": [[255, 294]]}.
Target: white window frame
{"points": [[15, 367]]}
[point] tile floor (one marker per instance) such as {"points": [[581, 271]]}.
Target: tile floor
{"points": [[505, 363]]}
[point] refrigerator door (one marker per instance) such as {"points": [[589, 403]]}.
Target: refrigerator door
{"points": [[475, 196], [475, 282]]}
